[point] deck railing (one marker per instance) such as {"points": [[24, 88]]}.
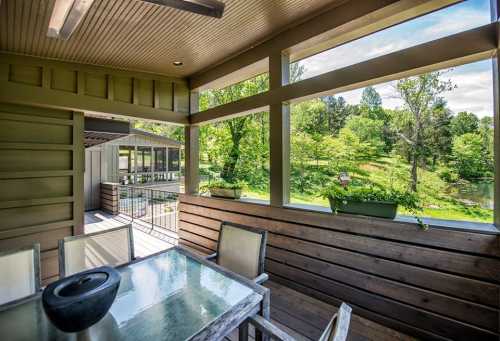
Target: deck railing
{"points": [[149, 206]]}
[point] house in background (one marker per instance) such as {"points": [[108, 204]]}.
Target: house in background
{"points": [[116, 153]]}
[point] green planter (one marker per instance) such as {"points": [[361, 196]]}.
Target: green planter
{"points": [[226, 193], [382, 209]]}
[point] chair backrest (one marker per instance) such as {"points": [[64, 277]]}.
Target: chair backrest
{"points": [[111, 247], [242, 249], [338, 327], [20, 273]]}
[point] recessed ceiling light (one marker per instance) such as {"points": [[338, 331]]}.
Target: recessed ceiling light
{"points": [[177, 63]]}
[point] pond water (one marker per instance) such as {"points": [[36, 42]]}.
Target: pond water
{"points": [[469, 193]]}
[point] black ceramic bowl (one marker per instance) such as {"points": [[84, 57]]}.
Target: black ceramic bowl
{"points": [[76, 302]]}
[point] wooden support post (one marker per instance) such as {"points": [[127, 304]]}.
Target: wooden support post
{"points": [[78, 173], [495, 15], [191, 159], [279, 127]]}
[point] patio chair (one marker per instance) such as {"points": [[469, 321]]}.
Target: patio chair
{"points": [[336, 330], [111, 247], [242, 249], [20, 273]]}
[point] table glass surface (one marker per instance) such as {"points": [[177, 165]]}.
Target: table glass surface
{"points": [[166, 297]]}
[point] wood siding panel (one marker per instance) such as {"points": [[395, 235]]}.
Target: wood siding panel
{"points": [[123, 89], [40, 176], [433, 284], [35, 188], [26, 132], [64, 80], [26, 160]]}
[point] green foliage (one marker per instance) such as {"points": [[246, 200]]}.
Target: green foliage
{"points": [[368, 131], [448, 175], [363, 192], [419, 149], [225, 185], [464, 123], [467, 154]]}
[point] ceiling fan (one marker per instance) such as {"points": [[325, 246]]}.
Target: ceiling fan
{"points": [[67, 14]]}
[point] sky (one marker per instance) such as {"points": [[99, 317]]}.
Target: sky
{"points": [[474, 84]]}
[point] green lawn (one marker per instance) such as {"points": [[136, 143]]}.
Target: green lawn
{"points": [[391, 171]]}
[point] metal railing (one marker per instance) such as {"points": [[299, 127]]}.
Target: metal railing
{"points": [[150, 206]]}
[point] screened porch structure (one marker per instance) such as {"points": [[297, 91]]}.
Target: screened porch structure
{"points": [[142, 60]]}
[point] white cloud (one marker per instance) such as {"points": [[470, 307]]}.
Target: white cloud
{"points": [[474, 85], [459, 20], [473, 92]]}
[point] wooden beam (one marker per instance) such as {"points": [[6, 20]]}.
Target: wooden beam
{"points": [[362, 17], [241, 107], [495, 15], [279, 128], [29, 95], [457, 49], [473, 45], [191, 159]]}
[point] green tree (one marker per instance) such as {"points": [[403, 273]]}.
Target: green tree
{"points": [[487, 138], [419, 94], [337, 112], [438, 135], [368, 131], [371, 104], [464, 122], [467, 151]]}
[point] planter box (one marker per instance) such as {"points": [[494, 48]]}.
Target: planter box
{"points": [[225, 193], [380, 209]]}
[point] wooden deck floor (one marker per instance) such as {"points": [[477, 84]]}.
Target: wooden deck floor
{"points": [[304, 318], [146, 242], [301, 316]]}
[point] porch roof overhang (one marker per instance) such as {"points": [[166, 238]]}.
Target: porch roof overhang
{"points": [[98, 130]]}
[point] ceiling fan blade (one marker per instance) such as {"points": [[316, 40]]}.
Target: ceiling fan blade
{"points": [[211, 8]]}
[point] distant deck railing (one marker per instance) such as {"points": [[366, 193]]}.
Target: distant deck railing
{"points": [[153, 207]]}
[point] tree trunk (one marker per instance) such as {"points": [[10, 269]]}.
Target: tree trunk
{"points": [[238, 131], [227, 173], [414, 176]]}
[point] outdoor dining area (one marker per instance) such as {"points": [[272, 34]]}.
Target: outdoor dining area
{"points": [[105, 293], [336, 170]]}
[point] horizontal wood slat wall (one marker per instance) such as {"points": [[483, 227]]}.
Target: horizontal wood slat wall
{"points": [[432, 284], [41, 180]]}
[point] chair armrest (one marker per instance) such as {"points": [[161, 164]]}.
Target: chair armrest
{"points": [[269, 329], [212, 256], [261, 278]]}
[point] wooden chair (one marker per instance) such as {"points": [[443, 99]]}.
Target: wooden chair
{"points": [[336, 330], [111, 247], [242, 249], [20, 273]]}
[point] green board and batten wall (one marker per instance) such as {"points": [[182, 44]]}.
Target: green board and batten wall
{"points": [[79, 87], [41, 177], [41, 141]]}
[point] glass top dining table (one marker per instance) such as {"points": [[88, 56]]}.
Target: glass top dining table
{"points": [[173, 295]]}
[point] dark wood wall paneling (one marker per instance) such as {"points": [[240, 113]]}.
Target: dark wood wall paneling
{"points": [[41, 180], [432, 284]]}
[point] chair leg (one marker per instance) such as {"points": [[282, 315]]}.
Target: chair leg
{"points": [[243, 332]]}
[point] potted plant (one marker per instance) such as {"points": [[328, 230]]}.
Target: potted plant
{"points": [[370, 199], [223, 189]]}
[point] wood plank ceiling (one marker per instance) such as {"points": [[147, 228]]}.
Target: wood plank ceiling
{"points": [[134, 35]]}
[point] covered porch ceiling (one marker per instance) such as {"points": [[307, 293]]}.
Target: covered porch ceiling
{"points": [[140, 36]]}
